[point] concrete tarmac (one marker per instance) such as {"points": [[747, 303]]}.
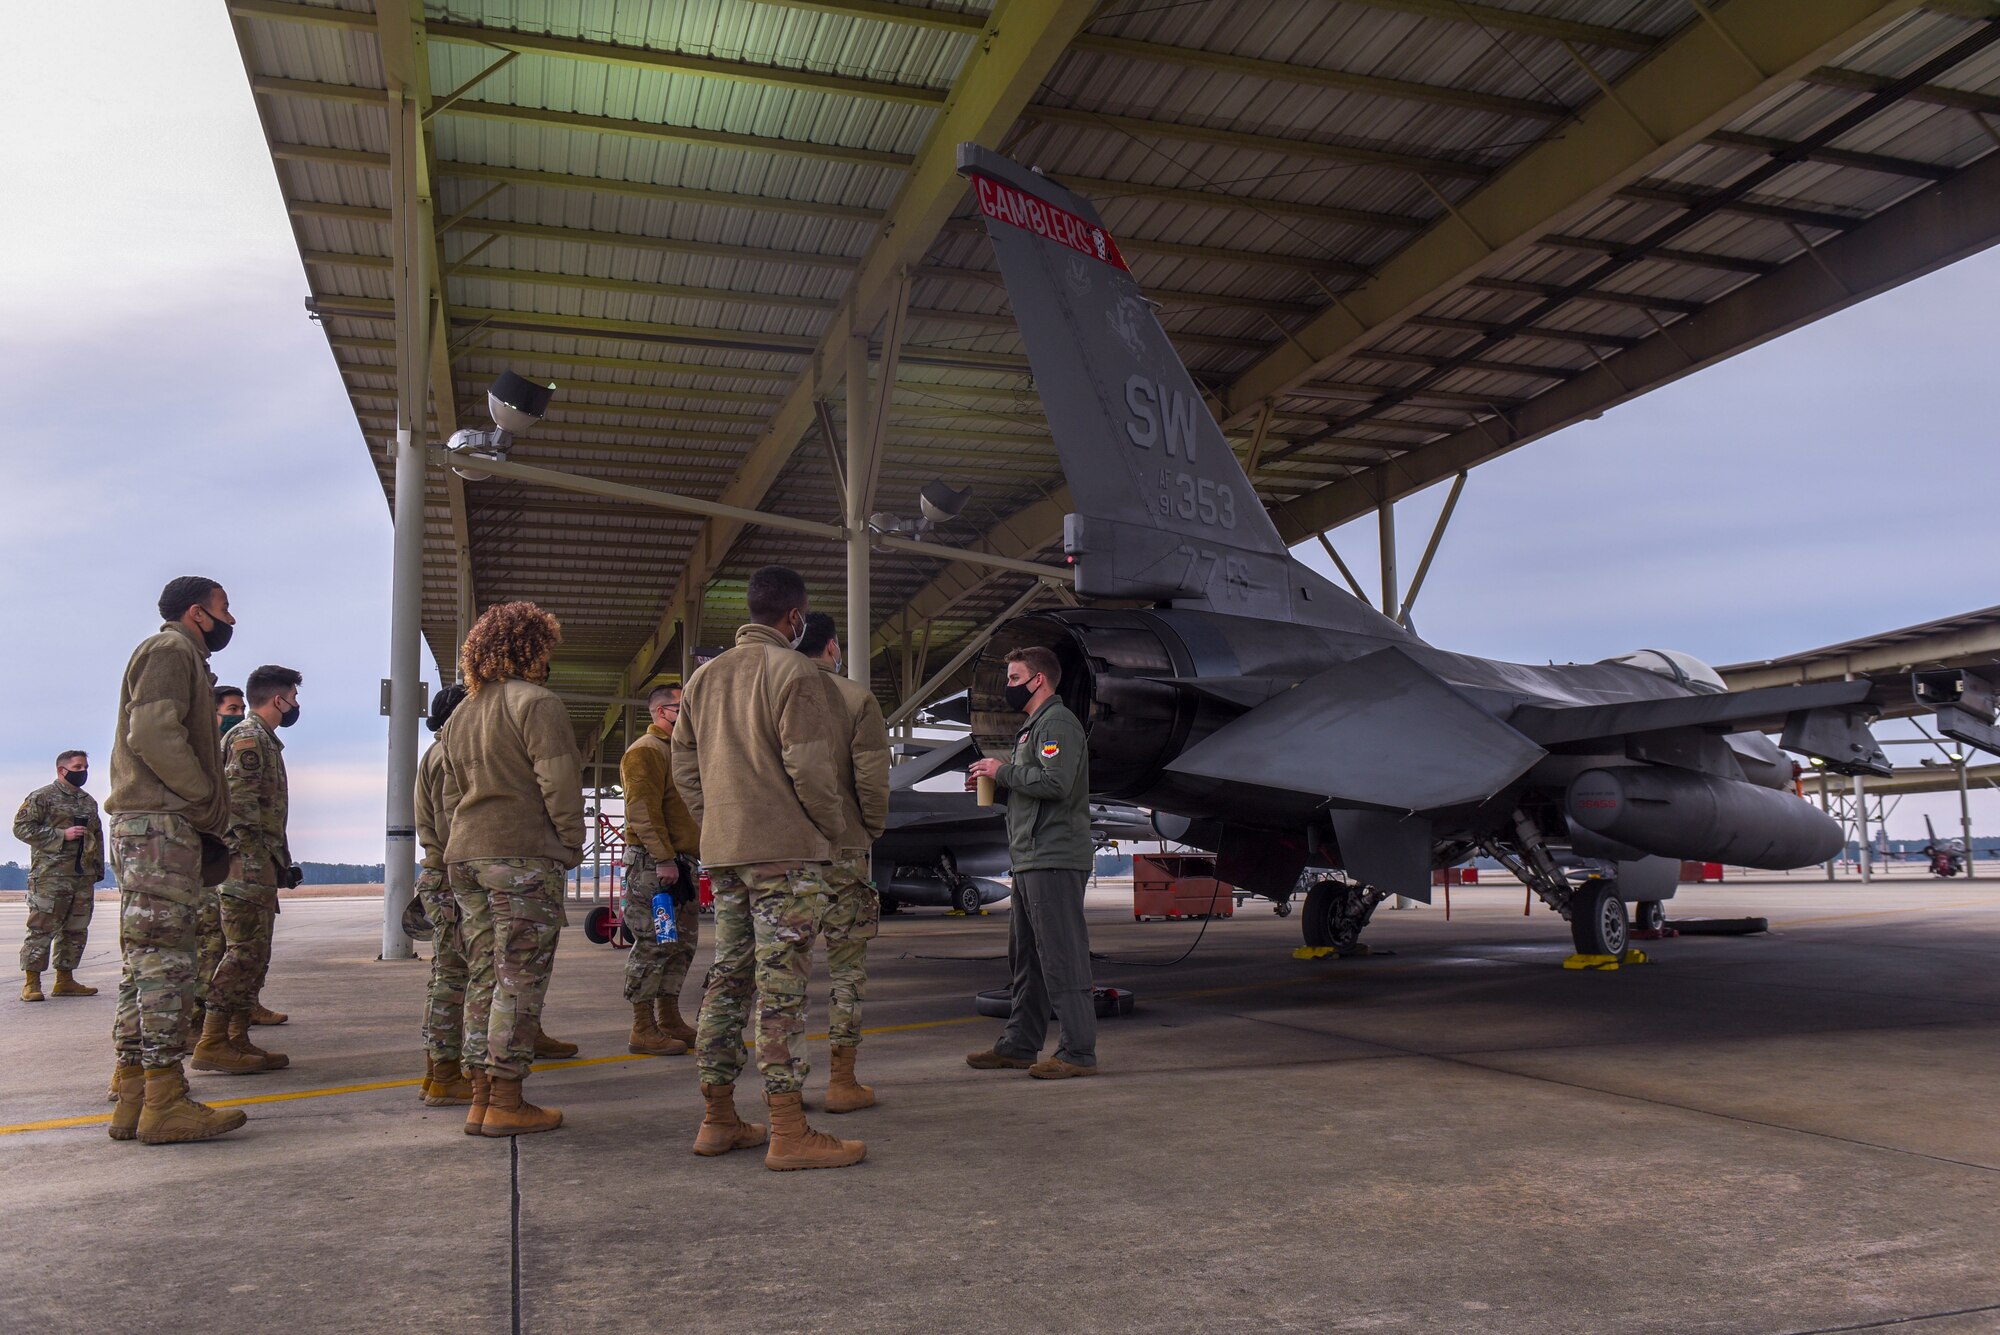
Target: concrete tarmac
{"points": [[1786, 1133]]}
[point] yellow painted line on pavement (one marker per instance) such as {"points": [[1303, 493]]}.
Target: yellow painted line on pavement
{"points": [[101, 1119]]}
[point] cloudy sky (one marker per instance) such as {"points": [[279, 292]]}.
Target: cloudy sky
{"points": [[175, 412]]}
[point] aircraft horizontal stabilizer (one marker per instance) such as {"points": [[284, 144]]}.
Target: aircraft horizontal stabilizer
{"points": [[1764, 710], [1380, 731], [947, 755]]}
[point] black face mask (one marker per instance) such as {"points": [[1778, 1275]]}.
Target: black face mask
{"points": [[1017, 697], [78, 777], [216, 637], [289, 717]]}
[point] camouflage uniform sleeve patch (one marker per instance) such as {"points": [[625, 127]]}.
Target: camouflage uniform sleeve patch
{"points": [[248, 757]]}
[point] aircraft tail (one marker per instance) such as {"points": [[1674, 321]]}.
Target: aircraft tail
{"points": [[1163, 511]]}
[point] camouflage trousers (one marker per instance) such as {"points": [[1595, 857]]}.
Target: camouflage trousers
{"points": [[59, 909], [655, 968], [444, 999], [158, 863], [209, 942], [853, 917], [510, 912], [766, 916], [249, 913]]}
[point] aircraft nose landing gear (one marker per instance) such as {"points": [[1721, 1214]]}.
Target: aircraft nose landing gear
{"points": [[1597, 919]]}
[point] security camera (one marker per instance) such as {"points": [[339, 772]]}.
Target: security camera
{"points": [[515, 405]]}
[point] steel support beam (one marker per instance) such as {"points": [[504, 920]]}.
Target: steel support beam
{"points": [[413, 254], [1019, 44], [1926, 232], [1695, 83]]}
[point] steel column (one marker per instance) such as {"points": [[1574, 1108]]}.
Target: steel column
{"points": [[399, 853], [1965, 813], [1864, 860], [860, 473]]}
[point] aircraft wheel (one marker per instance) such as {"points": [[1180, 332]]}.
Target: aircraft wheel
{"points": [[965, 897], [1336, 912], [891, 907], [597, 925], [1283, 908], [1651, 915], [1597, 920]]}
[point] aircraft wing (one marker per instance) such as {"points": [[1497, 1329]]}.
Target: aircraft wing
{"points": [[1763, 710], [1380, 731]]}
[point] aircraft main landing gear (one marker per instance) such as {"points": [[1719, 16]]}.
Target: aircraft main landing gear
{"points": [[1336, 910]]}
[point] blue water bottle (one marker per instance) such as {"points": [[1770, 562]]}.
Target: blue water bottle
{"points": [[665, 929]]}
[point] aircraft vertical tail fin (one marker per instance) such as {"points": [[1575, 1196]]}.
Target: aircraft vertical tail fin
{"points": [[1163, 509]]}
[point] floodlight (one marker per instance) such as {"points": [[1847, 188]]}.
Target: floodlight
{"points": [[941, 503], [515, 405]]}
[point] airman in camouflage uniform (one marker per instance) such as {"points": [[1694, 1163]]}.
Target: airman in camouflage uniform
{"points": [[513, 783], [260, 860], [663, 842], [445, 1082], [209, 943], [169, 811], [757, 754], [59, 824], [854, 913]]}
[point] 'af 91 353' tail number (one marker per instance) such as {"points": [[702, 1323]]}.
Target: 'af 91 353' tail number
{"points": [[1166, 418], [1196, 499]]}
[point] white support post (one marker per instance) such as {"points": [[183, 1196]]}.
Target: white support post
{"points": [[860, 470], [1965, 813], [399, 851], [1865, 861]]}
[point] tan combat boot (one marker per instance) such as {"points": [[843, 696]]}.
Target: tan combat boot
{"points": [[511, 1115], [262, 1014], [796, 1145], [128, 1086], [214, 1051], [482, 1097], [170, 1116], [424, 1086], [67, 986], [448, 1087], [843, 1094], [668, 1011], [647, 1040], [721, 1129], [552, 1047], [31, 990], [239, 1038]]}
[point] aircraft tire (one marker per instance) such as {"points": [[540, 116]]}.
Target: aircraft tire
{"points": [[965, 897], [1650, 915], [1598, 923]]}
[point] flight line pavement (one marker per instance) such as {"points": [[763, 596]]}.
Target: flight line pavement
{"points": [[1786, 1133]]}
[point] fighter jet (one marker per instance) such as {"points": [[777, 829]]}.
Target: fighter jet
{"points": [[1281, 722], [942, 849]]}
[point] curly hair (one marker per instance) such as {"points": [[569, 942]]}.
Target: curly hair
{"points": [[508, 640]]}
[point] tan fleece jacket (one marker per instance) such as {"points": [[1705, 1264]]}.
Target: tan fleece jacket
{"points": [[166, 757], [655, 815], [864, 781], [513, 778], [756, 754], [433, 816]]}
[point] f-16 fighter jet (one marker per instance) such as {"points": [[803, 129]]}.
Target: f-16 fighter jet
{"points": [[1291, 726]]}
